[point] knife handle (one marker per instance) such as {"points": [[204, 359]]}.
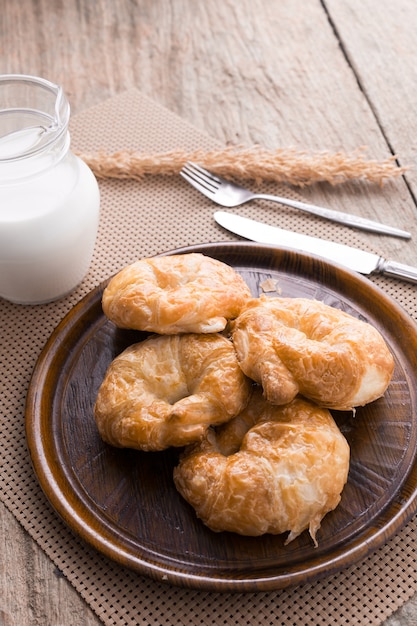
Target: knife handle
{"points": [[399, 270]]}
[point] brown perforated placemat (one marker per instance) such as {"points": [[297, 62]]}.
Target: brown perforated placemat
{"points": [[142, 219]]}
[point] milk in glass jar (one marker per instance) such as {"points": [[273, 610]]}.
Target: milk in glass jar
{"points": [[49, 198]]}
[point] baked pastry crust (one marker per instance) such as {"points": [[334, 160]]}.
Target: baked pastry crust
{"points": [[167, 390], [270, 470], [185, 293], [299, 346]]}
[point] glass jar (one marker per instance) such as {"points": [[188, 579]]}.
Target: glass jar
{"points": [[49, 198]]}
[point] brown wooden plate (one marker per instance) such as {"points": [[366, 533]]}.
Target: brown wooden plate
{"points": [[124, 502]]}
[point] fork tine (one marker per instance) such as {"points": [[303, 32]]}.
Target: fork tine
{"points": [[196, 183], [198, 180], [204, 173], [199, 177]]}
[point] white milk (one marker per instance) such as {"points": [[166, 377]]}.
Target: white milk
{"points": [[48, 226], [49, 199]]}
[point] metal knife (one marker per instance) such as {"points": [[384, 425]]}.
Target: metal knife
{"points": [[353, 258]]}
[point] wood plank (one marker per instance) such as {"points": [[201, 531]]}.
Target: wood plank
{"points": [[259, 86], [33, 591], [253, 76], [381, 47]]}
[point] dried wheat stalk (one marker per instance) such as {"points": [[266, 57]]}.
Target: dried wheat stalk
{"points": [[291, 166]]}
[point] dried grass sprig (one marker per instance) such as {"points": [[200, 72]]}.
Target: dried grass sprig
{"points": [[286, 165]]}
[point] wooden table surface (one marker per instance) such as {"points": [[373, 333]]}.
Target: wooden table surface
{"points": [[318, 75]]}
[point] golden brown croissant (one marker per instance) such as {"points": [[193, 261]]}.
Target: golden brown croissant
{"points": [[167, 390], [186, 293], [270, 470], [298, 346]]}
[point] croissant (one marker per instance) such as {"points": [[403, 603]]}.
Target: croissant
{"points": [[167, 390], [269, 470], [185, 293], [299, 346]]}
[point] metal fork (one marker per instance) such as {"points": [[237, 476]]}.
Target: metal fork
{"points": [[228, 194]]}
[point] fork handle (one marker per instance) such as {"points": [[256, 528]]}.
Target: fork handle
{"points": [[338, 216]]}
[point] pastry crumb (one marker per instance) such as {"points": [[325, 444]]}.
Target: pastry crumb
{"points": [[270, 284]]}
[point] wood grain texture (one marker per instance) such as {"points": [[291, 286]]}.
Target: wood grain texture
{"points": [[316, 75], [381, 53], [271, 74], [33, 592]]}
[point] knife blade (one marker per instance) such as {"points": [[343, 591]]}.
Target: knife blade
{"points": [[355, 259]]}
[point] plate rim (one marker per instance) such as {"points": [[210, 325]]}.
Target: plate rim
{"points": [[340, 558]]}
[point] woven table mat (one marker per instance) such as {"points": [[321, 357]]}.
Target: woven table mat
{"points": [[142, 219]]}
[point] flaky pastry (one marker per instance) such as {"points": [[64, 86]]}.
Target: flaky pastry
{"points": [[185, 293], [167, 390], [269, 470], [299, 346]]}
